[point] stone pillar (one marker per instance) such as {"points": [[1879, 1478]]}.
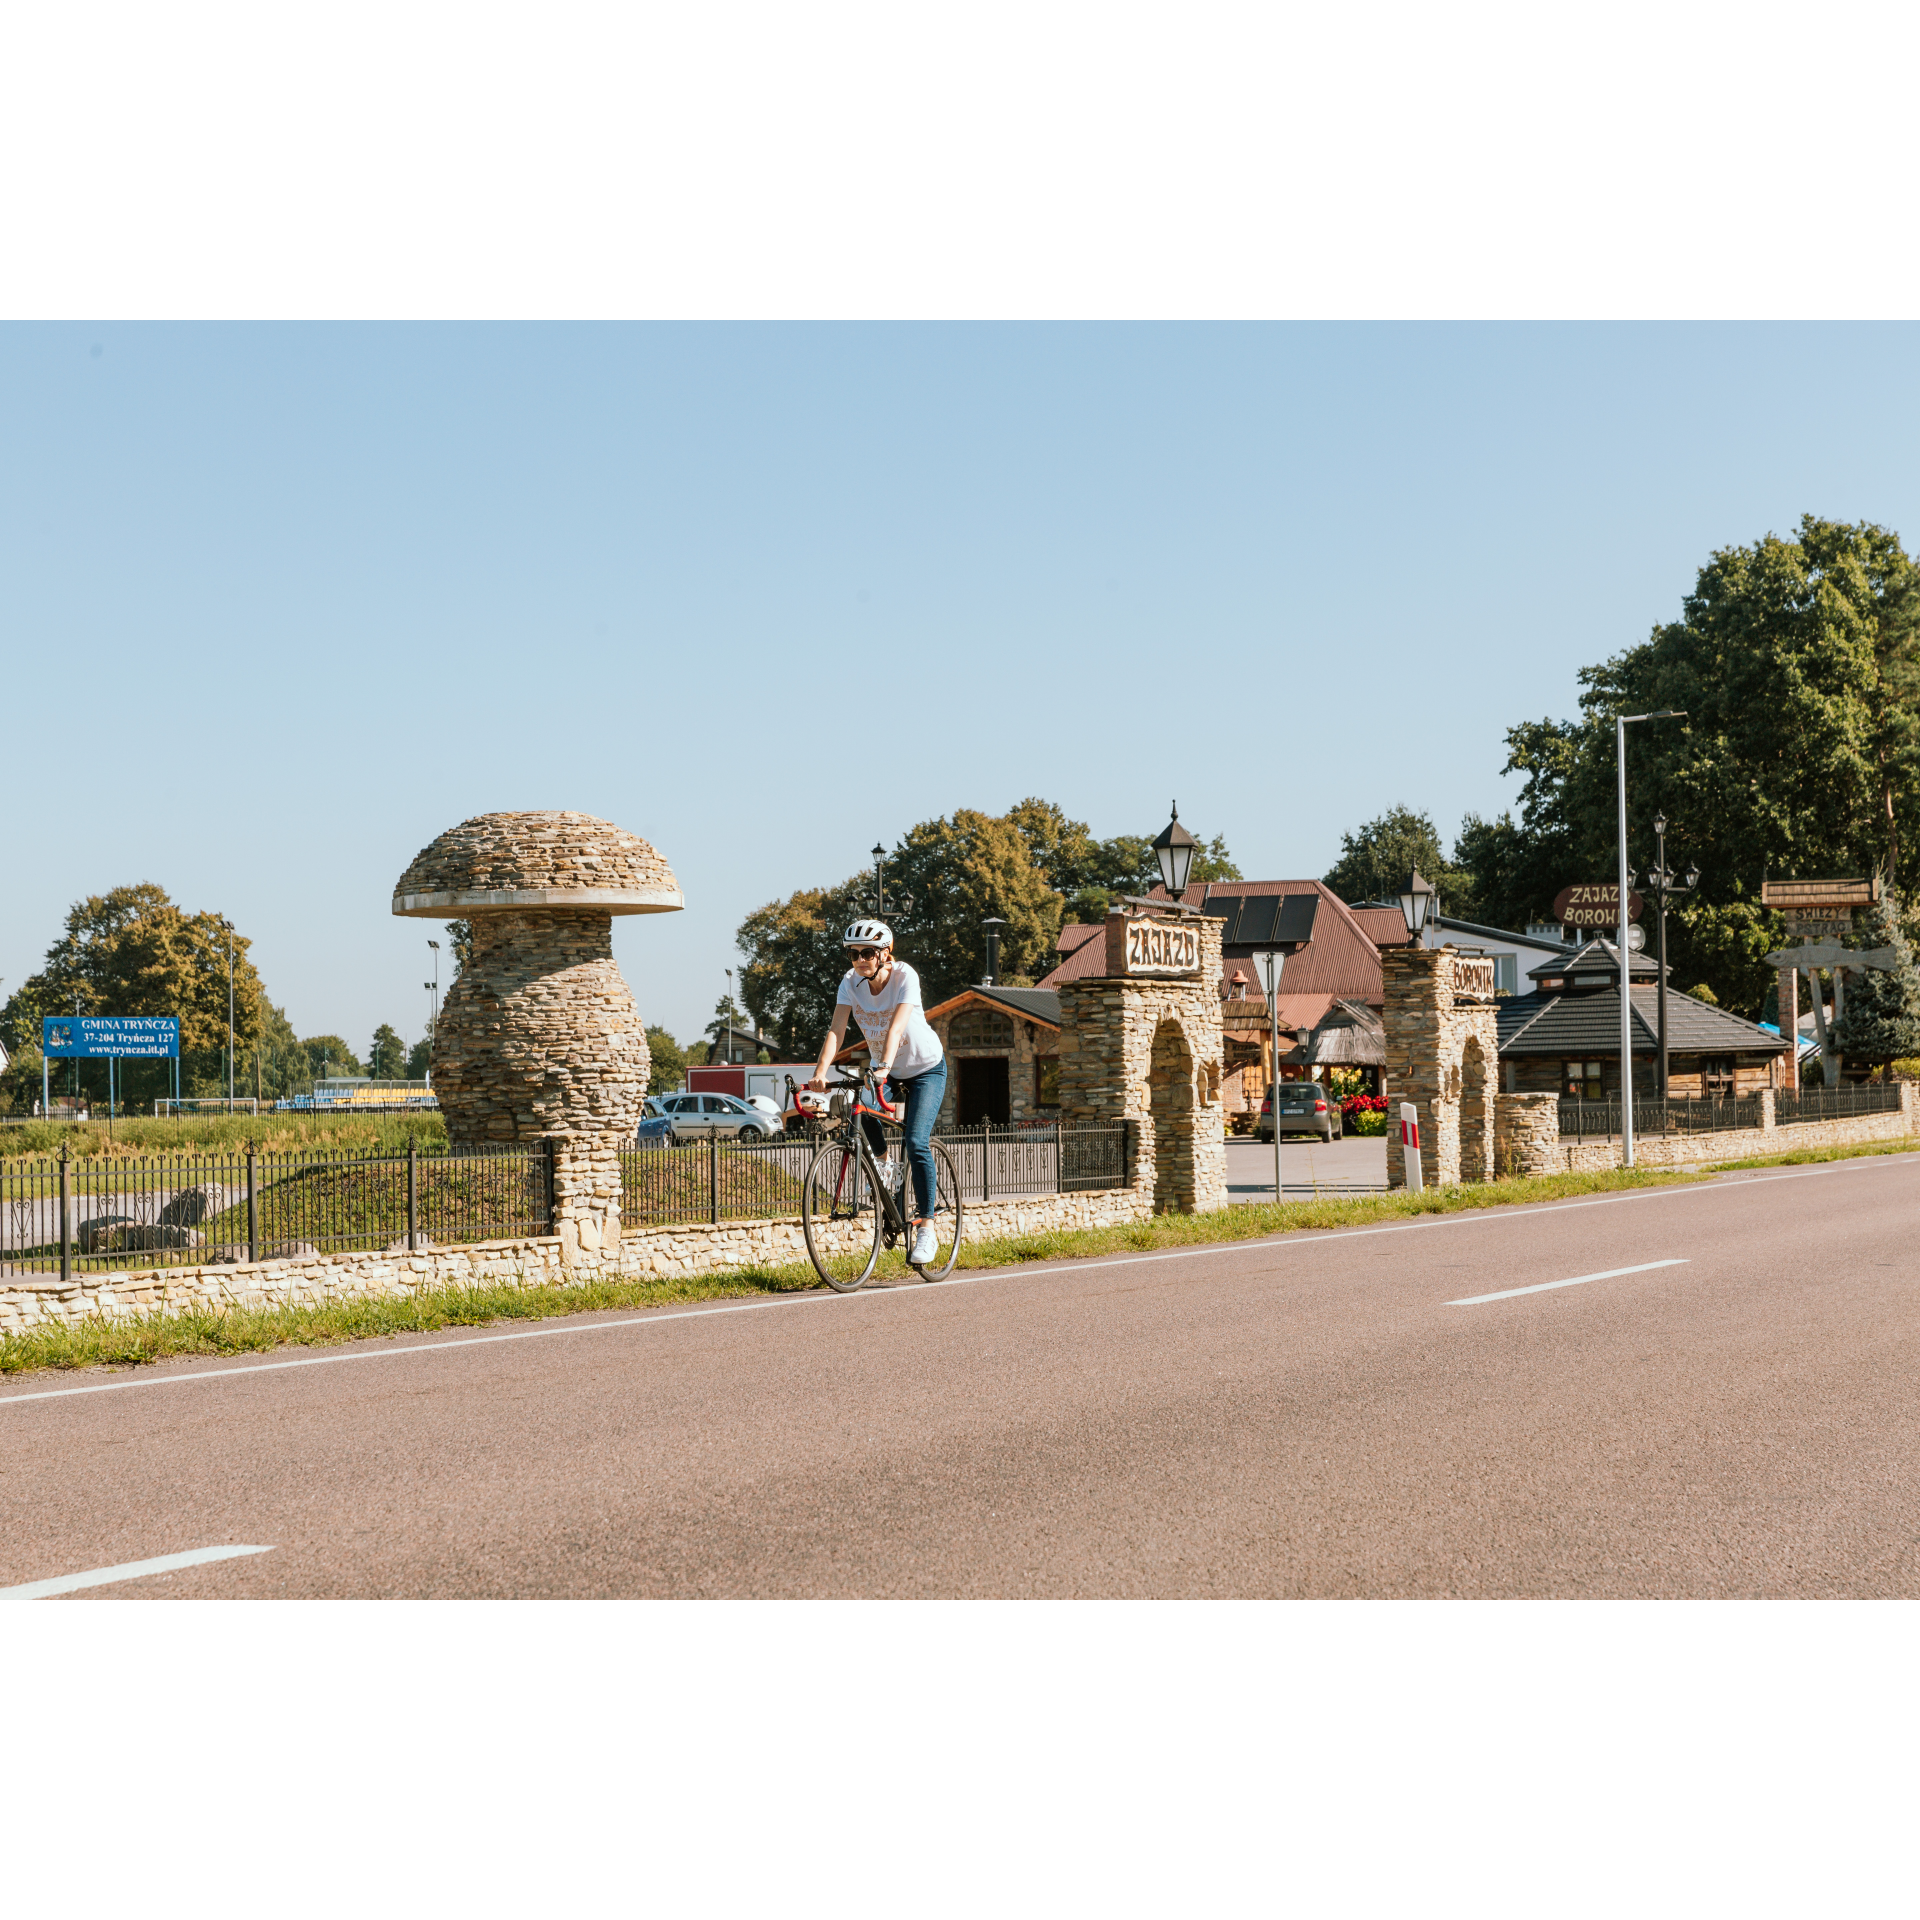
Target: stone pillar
{"points": [[539, 1038], [1526, 1135], [1146, 1049], [1441, 1039]]}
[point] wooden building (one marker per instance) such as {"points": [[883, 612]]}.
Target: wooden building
{"points": [[1564, 1036]]}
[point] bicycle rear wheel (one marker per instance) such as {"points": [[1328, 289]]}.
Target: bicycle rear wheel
{"points": [[946, 1214], [839, 1217]]}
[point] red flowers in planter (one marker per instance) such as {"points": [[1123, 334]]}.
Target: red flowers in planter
{"points": [[1356, 1104]]}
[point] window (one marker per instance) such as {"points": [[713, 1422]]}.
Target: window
{"points": [[1506, 973], [1046, 1081], [1581, 1080], [978, 1027]]}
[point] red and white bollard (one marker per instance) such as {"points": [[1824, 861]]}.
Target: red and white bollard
{"points": [[1410, 1145]]}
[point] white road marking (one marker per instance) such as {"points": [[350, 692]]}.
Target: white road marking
{"points": [[1579, 1280], [132, 1570], [1013, 1271]]}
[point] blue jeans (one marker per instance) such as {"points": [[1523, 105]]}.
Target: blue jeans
{"points": [[922, 1095]]}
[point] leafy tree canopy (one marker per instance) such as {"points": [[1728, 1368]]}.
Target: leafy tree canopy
{"points": [[669, 1061], [1376, 858], [132, 951], [1797, 662], [1026, 867], [387, 1056]]}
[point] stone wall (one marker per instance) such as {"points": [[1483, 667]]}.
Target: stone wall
{"points": [[654, 1252], [1148, 1050], [1442, 1053], [1530, 1141]]}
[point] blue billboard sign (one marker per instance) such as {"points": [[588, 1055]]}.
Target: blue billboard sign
{"points": [[110, 1037]]}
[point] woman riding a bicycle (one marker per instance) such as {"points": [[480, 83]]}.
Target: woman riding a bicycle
{"points": [[883, 996]]}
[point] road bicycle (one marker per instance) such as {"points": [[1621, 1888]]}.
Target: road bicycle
{"points": [[849, 1212]]}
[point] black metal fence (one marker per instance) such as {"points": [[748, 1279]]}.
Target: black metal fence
{"points": [[70, 1216], [1798, 1105], [1600, 1119], [663, 1184]]}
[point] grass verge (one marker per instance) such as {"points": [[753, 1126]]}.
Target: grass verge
{"points": [[237, 1330], [134, 1139], [1807, 1156]]}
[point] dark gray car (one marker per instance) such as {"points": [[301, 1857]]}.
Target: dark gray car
{"points": [[1304, 1108]]}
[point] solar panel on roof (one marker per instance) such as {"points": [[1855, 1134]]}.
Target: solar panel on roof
{"points": [[1254, 928]]}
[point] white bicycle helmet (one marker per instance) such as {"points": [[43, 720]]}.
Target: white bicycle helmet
{"points": [[868, 933]]}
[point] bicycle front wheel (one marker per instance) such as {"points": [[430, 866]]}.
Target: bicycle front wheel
{"points": [[946, 1214], [838, 1216]]}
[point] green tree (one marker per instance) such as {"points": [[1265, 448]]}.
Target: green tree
{"points": [[960, 871], [132, 951], [330, 1058], [387, 1056], [795, 962], [460, 944], [669, 1061], [1091, 874], [1881, 1022], [1796, 664], [420, 1059], [1376, 857]]}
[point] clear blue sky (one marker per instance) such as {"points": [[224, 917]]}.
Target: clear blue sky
{"points": [[281, 603]]}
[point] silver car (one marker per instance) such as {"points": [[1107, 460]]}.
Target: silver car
{"points": [[1304, 1108], [701, 1116]]}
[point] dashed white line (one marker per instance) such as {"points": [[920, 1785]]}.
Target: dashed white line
{"points": [[1579, 1280], [131, 1570]]}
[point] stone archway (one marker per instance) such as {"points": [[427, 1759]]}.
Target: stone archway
{"points": [[1170, 1104], [1140, 1048], [1476, 1112]]}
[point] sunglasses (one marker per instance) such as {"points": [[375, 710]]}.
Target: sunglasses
{"points": [[867, 953]]}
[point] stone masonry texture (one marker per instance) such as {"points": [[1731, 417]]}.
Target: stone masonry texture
{"points": [[1148, 1050], [1442, 1053], [539, 1037], [651, 1252]]}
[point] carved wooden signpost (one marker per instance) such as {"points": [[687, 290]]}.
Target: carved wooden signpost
{"points": [[1152, 946], [1594, 904], [1819, 912]]}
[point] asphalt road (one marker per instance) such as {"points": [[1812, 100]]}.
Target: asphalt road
{"points": [[1307, 1167], [1304, 1416]]}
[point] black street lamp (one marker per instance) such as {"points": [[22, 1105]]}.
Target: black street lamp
{"points": [[1417, 900], [902, 908], [1175, 850], [1663, 883]]}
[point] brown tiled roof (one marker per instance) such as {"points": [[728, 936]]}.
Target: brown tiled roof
{"points": [[1341, 961]]}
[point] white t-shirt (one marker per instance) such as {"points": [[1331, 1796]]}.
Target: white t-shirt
{"points": [[919, 1044]]}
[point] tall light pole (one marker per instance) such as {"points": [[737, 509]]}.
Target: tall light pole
{"points": [[1621, 723], [228, 924], [1271, 961], [433, 1016]]}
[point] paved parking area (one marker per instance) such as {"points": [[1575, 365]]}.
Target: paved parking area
{"points": [[1307, 1167]]}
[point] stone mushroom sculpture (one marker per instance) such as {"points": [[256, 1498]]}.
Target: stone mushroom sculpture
{"points": [[539, 1037]]}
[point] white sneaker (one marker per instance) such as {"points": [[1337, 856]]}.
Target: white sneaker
{"points": [[925, 1245]]}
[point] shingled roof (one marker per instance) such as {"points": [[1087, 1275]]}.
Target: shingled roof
{"points": [[1571, 1024]]}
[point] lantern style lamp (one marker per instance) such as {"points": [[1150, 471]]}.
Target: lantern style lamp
{"points": [[1174, 850], [1416, 906]]}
